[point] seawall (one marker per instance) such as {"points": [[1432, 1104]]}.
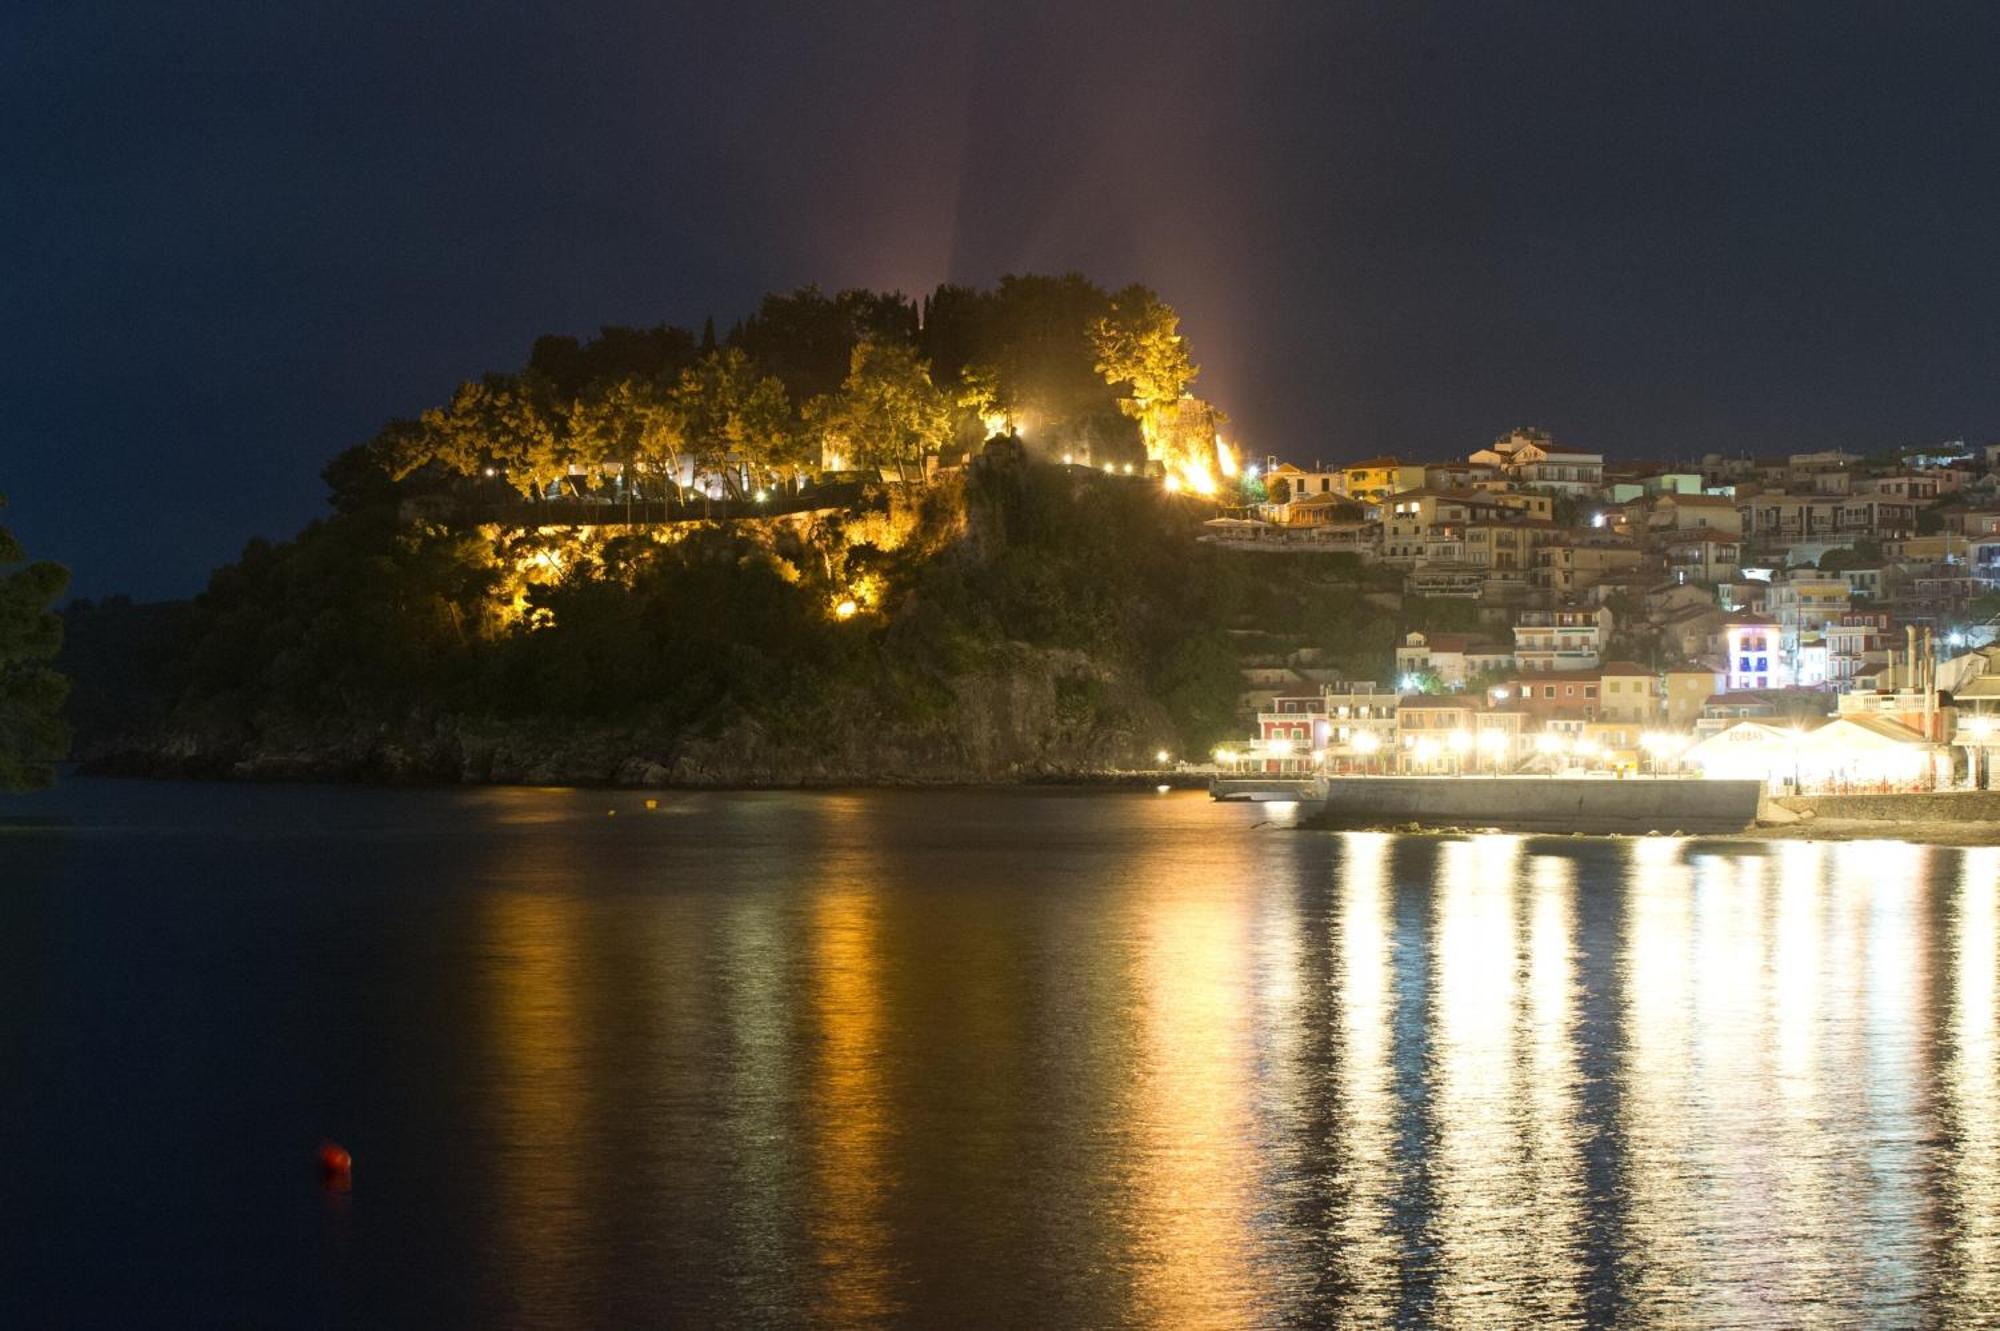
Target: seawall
{"points": [[1943, 806], [1541, 804]]}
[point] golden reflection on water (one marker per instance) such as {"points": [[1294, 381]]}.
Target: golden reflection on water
{"points": [[1366, 1252], [1195, 1169], [1555, 1175], [1895, 879], [851, 1165], [534, 944], [1971, 1095], [1798, 1001], [1480, 1199], [1195, 1090], [1464, 1082], [1657, 1086]]}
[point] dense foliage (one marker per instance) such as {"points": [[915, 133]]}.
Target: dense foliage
{"points": [[32, 734], [858, 379]]}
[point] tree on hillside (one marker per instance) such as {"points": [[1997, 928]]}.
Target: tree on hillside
{"points": [[510, 423], [1033, 334], [572, 368], [1864, 553], [637, 423], [737, 421], [32, 733], [1140, 353], [978, 394], [887, 411], [806, 338], [1139, 348]]}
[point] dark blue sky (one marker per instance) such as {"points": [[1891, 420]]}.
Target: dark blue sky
{"points": [[239, 237]]}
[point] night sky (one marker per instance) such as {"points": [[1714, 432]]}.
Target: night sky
{"points": [[239, 237]]}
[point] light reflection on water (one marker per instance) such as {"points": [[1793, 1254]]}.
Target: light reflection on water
{"points": [[1107, 1061]]}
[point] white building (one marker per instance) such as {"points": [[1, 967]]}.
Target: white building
{"points": [[1561, 639]]}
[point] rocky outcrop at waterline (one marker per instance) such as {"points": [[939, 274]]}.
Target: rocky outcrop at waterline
{"points": [[1042, 715]]}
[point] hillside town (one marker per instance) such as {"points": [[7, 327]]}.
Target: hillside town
{"points": [[1824, 622]]}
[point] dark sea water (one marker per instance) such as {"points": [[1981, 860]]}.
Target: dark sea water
{"points": [[958, 1059]]}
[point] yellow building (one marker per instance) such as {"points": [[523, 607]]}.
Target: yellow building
{"points": [[1628, 693], [1538, 506], [1375, 479], [1688, 690]]}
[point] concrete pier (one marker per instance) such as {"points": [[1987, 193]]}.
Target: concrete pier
{"points": [[1540, 804]]}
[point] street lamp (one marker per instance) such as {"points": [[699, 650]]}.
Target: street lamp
{"points": [[1461, 744]]}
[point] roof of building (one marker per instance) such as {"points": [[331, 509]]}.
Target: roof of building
{"points": [[1880, 725], [1463, 701], [1329, 498], [1624, 668], [1745, 619], [1689, 613], [1385, 461], [1557, 676], [1696, 501], [1456, 496], [1690, 535]]}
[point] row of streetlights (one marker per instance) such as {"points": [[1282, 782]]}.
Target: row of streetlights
{"points": [[1661, 747]]}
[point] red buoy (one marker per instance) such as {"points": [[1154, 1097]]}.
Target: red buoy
{"points": [[336, 1166]]}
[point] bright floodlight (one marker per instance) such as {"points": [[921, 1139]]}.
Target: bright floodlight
{"points": [[1279, 748], [1493, 740], [1461, 740], [1365, 742]]}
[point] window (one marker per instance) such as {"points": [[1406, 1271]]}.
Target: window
{"points": [[1548, 690]]}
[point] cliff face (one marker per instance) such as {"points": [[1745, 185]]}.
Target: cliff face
{"points": [[1031, 714]]}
